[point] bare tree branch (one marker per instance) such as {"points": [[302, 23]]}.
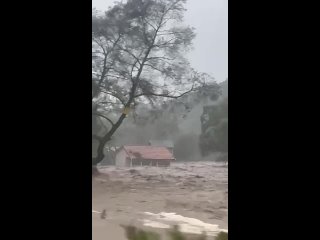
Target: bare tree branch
{"points": [[154, 28], [114, 95], [131, 54], [132, 69], [117, 76], [96, 137], [155, 68], [166, 43], [101, 115], [168, 32], [166, 95], [170, 8], [160, 58], [113, 40], [165, 21], [135, 81], [100, 45], [105, 68]]}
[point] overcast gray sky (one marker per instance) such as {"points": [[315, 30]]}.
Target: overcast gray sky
{"points": [[210, 19]]}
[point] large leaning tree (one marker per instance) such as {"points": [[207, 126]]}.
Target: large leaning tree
{"points": [[138, 50]]}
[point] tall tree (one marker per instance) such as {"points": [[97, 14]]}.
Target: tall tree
{"points": [[138, 56], [214, 122]]}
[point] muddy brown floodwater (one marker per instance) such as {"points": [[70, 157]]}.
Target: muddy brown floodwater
{"points": [[193, 195]]}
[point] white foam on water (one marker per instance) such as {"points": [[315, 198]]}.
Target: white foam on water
{"points": [[186, 225], [154, 224]]}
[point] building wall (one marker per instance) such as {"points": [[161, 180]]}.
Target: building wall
{"points": [[151, 162], [163, 163], [121, 159]]}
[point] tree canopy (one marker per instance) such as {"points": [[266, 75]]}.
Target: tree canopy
{"points": [[138, 57], [214, 122]]}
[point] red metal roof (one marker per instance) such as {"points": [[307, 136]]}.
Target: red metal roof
{"points": [[149, 152]]}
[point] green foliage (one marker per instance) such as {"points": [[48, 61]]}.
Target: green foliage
{"points": [[133, 233], [214, 122], [175, 234], [222, 236]]}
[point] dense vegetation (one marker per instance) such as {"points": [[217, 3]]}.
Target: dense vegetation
{"points": [[133, 233], [214, 123]]}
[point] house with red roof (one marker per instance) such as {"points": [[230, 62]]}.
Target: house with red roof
{"points": [[129, 156]]}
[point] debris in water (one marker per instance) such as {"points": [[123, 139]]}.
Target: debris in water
{"points": [[103, 214], [132, 171], [198, 176]]}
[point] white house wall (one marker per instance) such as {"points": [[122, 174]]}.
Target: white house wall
{"points": [[121, 158]]}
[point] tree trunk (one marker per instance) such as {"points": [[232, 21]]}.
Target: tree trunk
{"points": [[98, 158], [104, 141], [94, 170], [107, 137]]}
